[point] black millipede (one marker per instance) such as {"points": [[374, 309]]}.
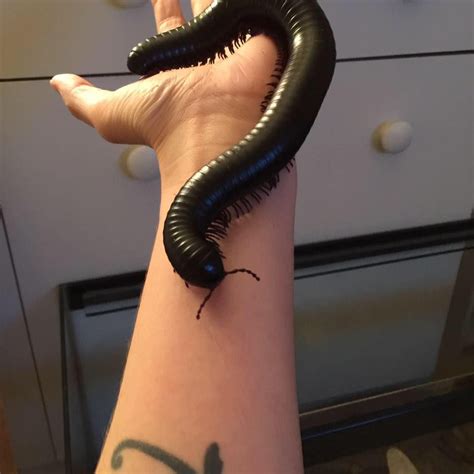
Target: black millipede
{"points": [[230, 184]]}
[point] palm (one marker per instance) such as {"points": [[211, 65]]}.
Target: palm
{"points": [[152, 110], [220, 102]]}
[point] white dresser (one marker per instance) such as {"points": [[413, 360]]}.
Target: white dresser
{"points": [[72, 214]]}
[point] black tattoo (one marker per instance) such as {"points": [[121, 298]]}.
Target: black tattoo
{"points": [[212, 462]]}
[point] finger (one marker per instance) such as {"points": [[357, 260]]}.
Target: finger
{"points": [[79, 96], [168, 14], [199, 6]]}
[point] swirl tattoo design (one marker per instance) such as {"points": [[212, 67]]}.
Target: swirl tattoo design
{"points": [[212, 462], [229, 185]]}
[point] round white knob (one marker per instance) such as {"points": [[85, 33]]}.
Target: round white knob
{"points": [[140, 162], [393, 136], [129, 3]]}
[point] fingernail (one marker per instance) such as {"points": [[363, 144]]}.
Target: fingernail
{"points": [[54, 84], [61, 79]]}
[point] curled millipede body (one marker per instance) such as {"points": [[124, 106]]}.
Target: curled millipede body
{"points": [[229, 185]]}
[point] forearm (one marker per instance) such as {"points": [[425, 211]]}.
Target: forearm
{"points": [[228, 378]]}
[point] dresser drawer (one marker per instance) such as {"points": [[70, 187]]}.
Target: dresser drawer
{"points": [[91, 36], [71, 212], [346, 187], [47, 37], [386, 27]]}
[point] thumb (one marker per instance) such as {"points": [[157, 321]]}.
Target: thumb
{"points": [[79, 96]]}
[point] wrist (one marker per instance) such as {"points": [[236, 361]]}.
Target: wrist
{"points": [[271, 222], [201, 136]]}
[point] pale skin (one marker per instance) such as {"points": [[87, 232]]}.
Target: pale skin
{"points": [[228, 378]]}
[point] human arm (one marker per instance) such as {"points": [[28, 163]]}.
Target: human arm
{"points": [[229, 378]]}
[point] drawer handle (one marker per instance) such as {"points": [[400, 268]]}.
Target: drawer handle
{"points": [[129, 3], [393, 136], [140, 162]]}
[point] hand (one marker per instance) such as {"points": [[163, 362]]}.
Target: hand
{"points": [[189, 116]]}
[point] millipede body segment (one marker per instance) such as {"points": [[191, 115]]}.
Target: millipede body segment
{"points": [[201, 211]]}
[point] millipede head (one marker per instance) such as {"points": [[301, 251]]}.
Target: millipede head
{"points": [[208, 272], [211, 270]]}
